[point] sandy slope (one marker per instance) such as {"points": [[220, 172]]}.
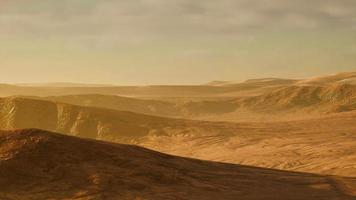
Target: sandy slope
{"points": [[40, 165], [324, 145], [331, 98], [141, 91], [247, 88], [300, 125], [144, 106], [172, 107], [275, 100], [98, 123], [297, 102], [268, 99], [344, 77]]}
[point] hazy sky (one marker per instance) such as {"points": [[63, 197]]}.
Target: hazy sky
{"points": [[174, 41]]}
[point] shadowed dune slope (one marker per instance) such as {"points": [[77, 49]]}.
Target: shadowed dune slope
{"points": [[98, 123], [38, 165], [76, 120], [144, 106], [308, 146], [182, 108]]}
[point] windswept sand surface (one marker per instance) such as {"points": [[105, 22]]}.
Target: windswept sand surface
{"points": [[304, 126], [324, 145], [297, 101], [320, 147], [39, 165]]}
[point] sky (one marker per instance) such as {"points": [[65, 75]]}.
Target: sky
{"points": [[140, 42]]}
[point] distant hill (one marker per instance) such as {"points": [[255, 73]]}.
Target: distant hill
{"points": [[344, 77], [251, 87], [140, 91], [144, 106], [63, 84], [218, 141], [167, 108], [93, 122], [330, 98], [314, 100], [37, 164]]}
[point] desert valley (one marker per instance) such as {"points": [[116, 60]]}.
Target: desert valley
{"points": [[177, 100], [258, 139]]}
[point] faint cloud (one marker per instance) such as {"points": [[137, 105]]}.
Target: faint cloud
{"points": [[110, 23]]}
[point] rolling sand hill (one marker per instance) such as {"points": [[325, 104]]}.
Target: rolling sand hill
{"points": [[294, 102], [98, 123], [144, 106], [335, 97], [140, 91], [247, 88], [297, 102], [262, 82], [63, 84], [251, 87], [39, 165], [286, 103], [173, 108], [325, 145], [307, 146], [268, 99], [345, 77]]}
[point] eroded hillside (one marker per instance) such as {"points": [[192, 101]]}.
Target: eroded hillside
{"points": [[306, 145], [41, 165], [297, 102], [96, 123]]}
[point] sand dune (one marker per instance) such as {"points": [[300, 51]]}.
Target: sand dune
{"points": [[247, 88], [325, 146], [332, 98], [62, 84], [286, 103], [144, 106], [98, 123], [329, 79], [44, 165], [307, 146], [140, 91], [154, 91], [173, 108], [251, 87], [297, 102], [262, 82], [305, 126]]}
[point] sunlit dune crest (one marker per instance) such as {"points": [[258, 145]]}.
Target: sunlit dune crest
{"points": [[304, 127]]}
